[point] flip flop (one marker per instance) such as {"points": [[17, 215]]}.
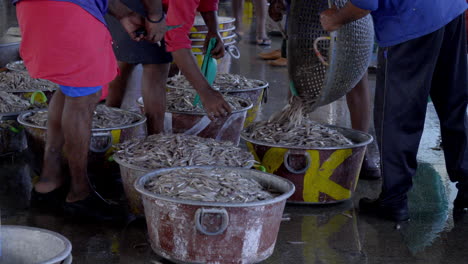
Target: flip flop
{"points": [[53, 199], [264, 42], [94, 208]]}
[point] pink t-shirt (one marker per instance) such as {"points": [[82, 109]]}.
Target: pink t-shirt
{"points": [[182, 12]]}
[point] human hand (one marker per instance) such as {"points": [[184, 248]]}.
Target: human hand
{"points": [[131, 23], [276, 10], [218, 51], [155, 31], [330, 20], [214, 104]]}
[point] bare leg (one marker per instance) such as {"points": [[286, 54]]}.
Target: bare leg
{"points": [[358, 100], [76, 125], [51, 176], [238, 12], [154, 95], [119, 84], [359, 105], [261, 11]]}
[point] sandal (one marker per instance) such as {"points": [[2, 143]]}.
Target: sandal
{"points": [[94, 207], [264, 42], [53, 199]]}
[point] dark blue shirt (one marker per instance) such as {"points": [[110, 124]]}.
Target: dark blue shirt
{"points": [[97, 8], [397, 21]]}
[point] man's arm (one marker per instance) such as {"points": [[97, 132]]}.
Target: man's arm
{"points": [[332, 19], [130, 20], [211, 21], [213, 102], [155, 23]]}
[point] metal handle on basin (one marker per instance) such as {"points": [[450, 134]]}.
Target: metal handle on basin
{"points": [[291, 169], [233, 51], [220, 212], [106, 147]]}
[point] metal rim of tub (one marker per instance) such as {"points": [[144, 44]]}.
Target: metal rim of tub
{"points": [[220, 31], [134, 167], [232, 36], [22, 121], [63, 256], [265, 85], [139, 186], [2, 45], [246, 108], [221, 20], [12, 115], [367, 139], [200, 47]]}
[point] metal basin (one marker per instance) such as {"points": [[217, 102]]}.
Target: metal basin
{"points": [[223, 23], [198, 123], [100, 147], [321, 175], [255, 95], [130, 174], [207, 232], [9, 52], [27, 245]]}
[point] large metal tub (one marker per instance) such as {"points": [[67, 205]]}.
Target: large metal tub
{"points": [[27, 245], [321, 175], [130, 175], [102, 139], [198, 124], [206, 232], [255, 95]]}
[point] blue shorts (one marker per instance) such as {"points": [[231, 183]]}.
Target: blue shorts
{"points": [[79, 91]]}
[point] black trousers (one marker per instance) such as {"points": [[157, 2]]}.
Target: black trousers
{"points": [[435, 65]]}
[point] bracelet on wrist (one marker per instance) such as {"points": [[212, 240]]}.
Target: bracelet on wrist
{"points": [[155, 21]]}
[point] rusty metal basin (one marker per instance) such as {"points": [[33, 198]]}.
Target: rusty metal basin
{"points": [[321, 175], [197, 123], [207, 232], [101, 143], [130, 173], [256, 95]]}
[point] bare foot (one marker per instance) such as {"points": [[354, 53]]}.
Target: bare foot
{"points": [[51, 176]]}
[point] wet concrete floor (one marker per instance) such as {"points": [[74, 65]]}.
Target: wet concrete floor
{"points": [[311, 233]]}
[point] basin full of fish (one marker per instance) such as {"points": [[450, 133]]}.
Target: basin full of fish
{"points": [[15, 81], [308, 134], [10, 103], [180, 100], [224, 82], [179, 150], [103, 118], [216, 185]]}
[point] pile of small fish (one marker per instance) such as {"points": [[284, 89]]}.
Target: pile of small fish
{"points": [[21, 81], [180, 100], [104, 117], [309, 134], [215, 185], [10, 103], [224, 82], [174, 150], [17, 66]]}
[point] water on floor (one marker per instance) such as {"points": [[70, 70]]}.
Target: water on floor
{"points": [[308, 234]]}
